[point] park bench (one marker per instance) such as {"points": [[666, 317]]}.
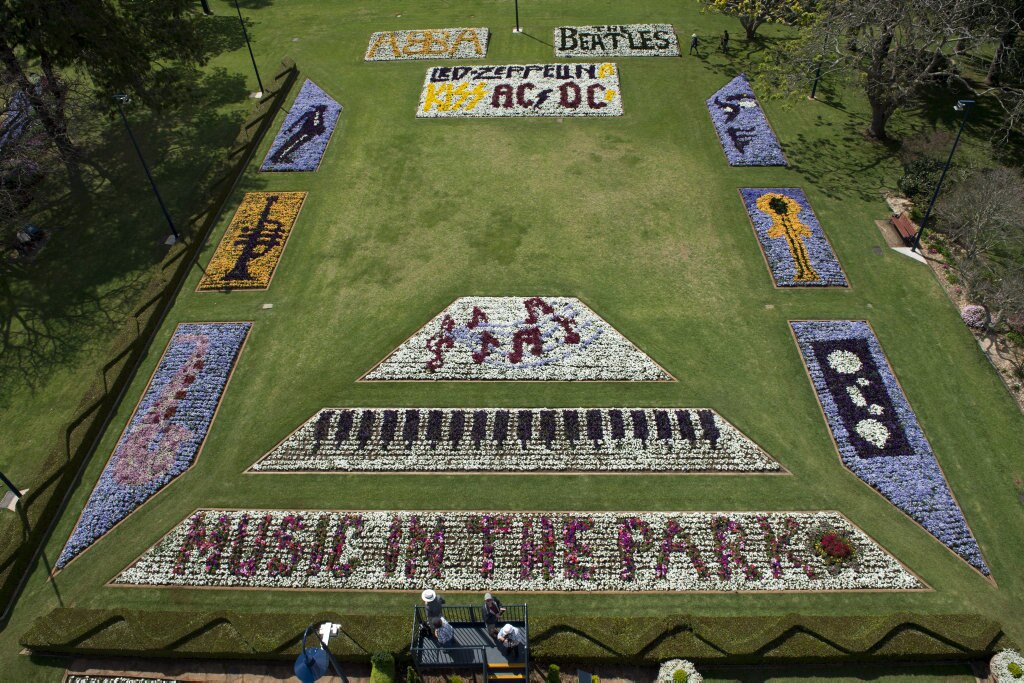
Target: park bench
{"points": [[904, 226]]}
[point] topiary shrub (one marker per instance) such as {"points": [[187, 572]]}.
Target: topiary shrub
{"points": [[383, 668], [678, 671], [975, 316], [411, 676], [554, 673]]}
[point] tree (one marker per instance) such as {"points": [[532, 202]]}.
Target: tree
{"points": [[984, 214], [754, 13], [898, 50], [1008, 29]]}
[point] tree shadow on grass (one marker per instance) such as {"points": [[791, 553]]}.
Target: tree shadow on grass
{"points": [[103, 243]]}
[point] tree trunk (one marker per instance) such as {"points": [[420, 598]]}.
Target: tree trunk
{"points": [[995, 69], [878, 89], [880, 114], [750, 26]]}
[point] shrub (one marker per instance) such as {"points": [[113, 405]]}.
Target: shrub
{"points": [[975, 316], [383, 670], [411, 676], [455, 679], [680, 676], [919, 177], [1015, 669], [554, 673]]}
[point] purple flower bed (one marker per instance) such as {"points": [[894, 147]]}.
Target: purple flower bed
{"points": [[303, 138], [877, 433], [166, 430], [792, 239], [746, 137]]}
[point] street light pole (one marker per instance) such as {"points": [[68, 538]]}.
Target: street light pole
{"points": [[249, 45], [312, 662], [965, 107], [517, 29], [121, 99], [10, 484]]}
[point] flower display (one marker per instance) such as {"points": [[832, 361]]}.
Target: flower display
{"points": [[742, 127], [251, 248], [876, 431], [166, 431], [432, 43], [792, 240], [1007, 666], [86, 678], [511, 551], [521, 90], [623, 40], [667, 671], [975, 316], [516, 439], [307, 128], [517, 338]]}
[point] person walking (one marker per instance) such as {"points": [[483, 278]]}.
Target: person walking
{"points": [[725, 41], [434, 608], [443, 631], [492, 611], [694, 46], [511, 637]]}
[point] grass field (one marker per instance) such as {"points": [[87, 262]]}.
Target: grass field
{"points": [[638, 216]]}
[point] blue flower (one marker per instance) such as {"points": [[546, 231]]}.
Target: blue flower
{"points": [[303, 138], [746, 136]]}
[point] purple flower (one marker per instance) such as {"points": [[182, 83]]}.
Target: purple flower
{"points": [[746, 137], [876, 430], [303, 138]]}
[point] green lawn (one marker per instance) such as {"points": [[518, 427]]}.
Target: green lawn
{"points": [[638, 216]]}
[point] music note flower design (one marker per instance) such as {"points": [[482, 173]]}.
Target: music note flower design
{"points": [[252, 246]]}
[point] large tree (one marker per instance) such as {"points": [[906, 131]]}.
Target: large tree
{"points": [[755, 13], [898, 50]]}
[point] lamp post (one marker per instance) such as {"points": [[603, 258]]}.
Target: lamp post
{"points": [[965, 107], [517, 29], [10, 484], [249, 45], [121, 100], [313, 662]]}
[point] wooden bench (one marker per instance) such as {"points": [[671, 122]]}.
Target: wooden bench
{"points": [[904, 226]]}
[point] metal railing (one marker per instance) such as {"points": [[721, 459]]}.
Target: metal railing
{"points": [[464, 656]]}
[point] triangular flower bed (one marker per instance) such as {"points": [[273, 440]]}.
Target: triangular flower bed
{"points": [[517, 338], [303, 138]]}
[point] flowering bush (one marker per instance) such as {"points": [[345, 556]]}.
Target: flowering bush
{"points": [[516, 439], [531, 551], [792, 239], [166, 431], [742, 127], [1007, 666], [521, 90], [517, 338], [433, 43], [623, 40], [975, 316], [251, 248], [667, 671], [876, 430], [303, 138]]}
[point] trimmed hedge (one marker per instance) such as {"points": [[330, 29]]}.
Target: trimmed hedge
{"points": [[60, 468], [641, 640]]}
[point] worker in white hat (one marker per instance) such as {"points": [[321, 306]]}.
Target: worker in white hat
{"points": [[434, 603]]}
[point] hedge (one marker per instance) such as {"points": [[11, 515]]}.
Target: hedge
{"points": [[76, 442], [640, 640]]}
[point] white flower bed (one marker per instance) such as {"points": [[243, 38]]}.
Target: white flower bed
{"points": [[513, 551], [999, 667], [516, 439], [623, 40], [521, 90], [517, 338], [666, 674], [431, 43]]}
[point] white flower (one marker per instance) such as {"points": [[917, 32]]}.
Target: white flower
{"points": [[844, 361], [999, 666], [857, 397], [667, 671], [875, 409], [873, 432]]}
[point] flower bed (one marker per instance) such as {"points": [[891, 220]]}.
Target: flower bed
{"points": [[516, 439], [624, 40], [166, 431], [251, 248], [303, 138], [432, 43], [791, 238], [742, 127], [517, 338], [876, 431], [85, 678], [511, 551], [521, 90]]}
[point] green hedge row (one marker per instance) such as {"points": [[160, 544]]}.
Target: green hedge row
{"points": [[21, 535], [784, 639]]}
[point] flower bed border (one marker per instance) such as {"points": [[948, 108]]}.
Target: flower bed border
{"points": [[764, 255], [362, 378], [273, 272], [925, 586], [782, 471], [199, 450], [821, 408]]}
